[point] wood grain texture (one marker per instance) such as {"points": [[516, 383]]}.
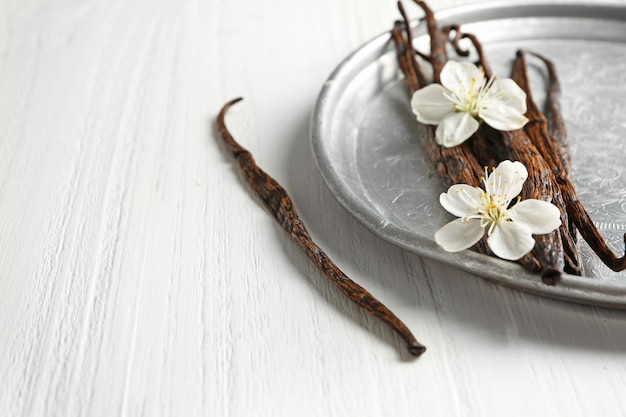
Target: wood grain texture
{"points": [[140, 277]]}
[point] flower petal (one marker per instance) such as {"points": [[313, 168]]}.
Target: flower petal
{"points": [[508, 92], [506, 181], [430, 104], [463, 200], [511, 240], [501, 116], [459, 76], [455, 129], [540, 216], [458, 234]]}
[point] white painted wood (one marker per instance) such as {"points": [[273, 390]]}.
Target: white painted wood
{"points": [[139, 277]]}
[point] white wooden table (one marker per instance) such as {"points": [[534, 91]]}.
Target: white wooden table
{"points": [[140, 277]]}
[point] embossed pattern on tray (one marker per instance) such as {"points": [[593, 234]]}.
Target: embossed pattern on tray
{"points": [[364, 143]]}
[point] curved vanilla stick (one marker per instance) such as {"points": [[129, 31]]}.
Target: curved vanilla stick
{"points": [[278, 202]]}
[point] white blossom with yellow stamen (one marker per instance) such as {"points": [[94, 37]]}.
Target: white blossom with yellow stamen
{"points": [[464, 99], [509, 229]]}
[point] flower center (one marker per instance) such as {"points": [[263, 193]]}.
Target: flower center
{"points": [[494, 213], [490, 209], [491, 205], [475, 99]]}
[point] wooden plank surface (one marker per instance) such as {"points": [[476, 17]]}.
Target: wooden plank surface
{"points": [[139, 277]]}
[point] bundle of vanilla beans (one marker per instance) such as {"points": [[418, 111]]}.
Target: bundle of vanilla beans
{"points": [[541, 145]]}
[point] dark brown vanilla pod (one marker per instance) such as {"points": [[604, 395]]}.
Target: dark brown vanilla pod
{"points": [[537, 131], [453, 165], [590, 233], [558, 134], [406, 57], [278, 202], [406, 53], [488, 147], [577, 215], [537, 126], [456, 165], [455, 41], [556, 123], [536, 261], [540, 185], [438, 40]]}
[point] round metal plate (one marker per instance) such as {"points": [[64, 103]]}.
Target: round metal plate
{"points": [[363, 134]]}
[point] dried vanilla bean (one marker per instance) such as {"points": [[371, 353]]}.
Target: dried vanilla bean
{"points": [[438, 39], [278, 202], [577, 214], [458, 35], [406, 57], [548, 248], [537, 130], [556, 124], [537, 126], [454, 165], [558, 133], [588, 230]]}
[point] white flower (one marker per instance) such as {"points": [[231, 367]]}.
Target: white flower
{"points": [[509, 229], [464, 99]]}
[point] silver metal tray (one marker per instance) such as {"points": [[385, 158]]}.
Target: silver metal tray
{"points": [[364, 141]]}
